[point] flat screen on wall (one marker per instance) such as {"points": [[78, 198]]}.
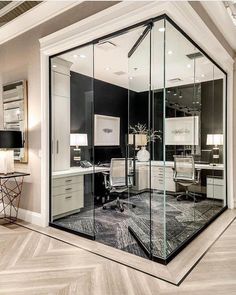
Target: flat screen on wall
{"points": [[182, 131]]}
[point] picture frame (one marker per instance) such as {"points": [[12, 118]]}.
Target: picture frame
{"points": [[106, 130], [182, 131]]}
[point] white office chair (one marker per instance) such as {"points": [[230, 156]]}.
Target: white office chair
{"points": [[185, 174], [116, 181]]}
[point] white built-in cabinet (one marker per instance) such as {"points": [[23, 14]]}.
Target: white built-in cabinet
{"points": [[60, 85]]}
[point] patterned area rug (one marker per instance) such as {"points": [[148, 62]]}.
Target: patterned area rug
{"points": [[166, 224]]}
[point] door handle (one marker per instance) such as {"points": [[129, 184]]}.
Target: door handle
{"points": [[57, 146], [134, 162]]}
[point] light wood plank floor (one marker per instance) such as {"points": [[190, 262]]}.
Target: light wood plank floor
{"points": [[32, 263]]}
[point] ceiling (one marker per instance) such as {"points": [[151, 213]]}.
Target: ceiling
{"points": [[111, 62], [10, 10]]}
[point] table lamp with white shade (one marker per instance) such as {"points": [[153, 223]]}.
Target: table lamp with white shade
{"points": [[215, 140], [9, 140], [78, 140]]}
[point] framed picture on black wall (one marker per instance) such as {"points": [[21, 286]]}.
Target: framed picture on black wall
{"points": [[106, 130]]}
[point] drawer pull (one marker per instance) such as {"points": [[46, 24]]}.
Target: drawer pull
{"points": [[68, 197], [68, 189]]}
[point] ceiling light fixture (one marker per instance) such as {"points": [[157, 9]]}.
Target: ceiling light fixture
{"points": [[82, 56], [107, 68], [170, 52], [54, 66], [131, 78], [161, 29], [202, 75], [188, 66], [75, 55]]}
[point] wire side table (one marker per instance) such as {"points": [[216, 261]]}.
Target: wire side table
{"points": [[10, 194]]}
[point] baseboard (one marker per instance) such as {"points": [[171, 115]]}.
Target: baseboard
{"points": [[28, 216]]}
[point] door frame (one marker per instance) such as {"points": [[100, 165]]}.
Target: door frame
{"points": [[116, 19]]}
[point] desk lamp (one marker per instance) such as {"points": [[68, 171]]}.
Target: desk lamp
{"points": [[77, 140], [9, 140], [216, 140]]}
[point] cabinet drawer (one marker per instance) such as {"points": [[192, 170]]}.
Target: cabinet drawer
{"points": [[68, 202], [67, 180], [215, 181], [69, 188]]}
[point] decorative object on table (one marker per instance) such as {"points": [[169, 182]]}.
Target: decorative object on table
{"points": [[78, 140], [140, 136], [106, 130], [215, 140], [10, 193], [15, 114], [9, 140]]}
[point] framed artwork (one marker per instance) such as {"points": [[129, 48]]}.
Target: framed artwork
{"points": [[182, 131], [106, 130]]}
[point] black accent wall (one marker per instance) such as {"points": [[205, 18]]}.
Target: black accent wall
{"points": [[112, 100]]}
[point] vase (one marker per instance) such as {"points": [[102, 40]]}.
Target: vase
{"points": [[143, 155]]}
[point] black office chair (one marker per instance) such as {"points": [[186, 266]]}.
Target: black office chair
{"points": [[185, 174], [115, 181]]}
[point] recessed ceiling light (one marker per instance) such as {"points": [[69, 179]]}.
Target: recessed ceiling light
{"points": [[82, 56], [75, 55], [188, 66], [131, 78], [54, 66], [161, 29], [107, 68], [170, 52], [202, 75]]}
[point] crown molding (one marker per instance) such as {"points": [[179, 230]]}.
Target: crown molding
{"points": [[127, 13], [34, 17]]}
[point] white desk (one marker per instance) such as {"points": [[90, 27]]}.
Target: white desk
{"points": [[78, 171], [162, 174], [68, 189]]}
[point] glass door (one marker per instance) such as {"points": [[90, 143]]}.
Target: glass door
{"points": [[138, 155]]}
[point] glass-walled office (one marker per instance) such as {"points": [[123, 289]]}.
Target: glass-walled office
{"points": [[137, 140]]}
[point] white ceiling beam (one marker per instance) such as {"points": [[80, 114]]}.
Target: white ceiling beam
{"points": [[34, 17]]}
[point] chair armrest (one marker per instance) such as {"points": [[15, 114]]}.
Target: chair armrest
{"points": [[106, 181], [198, 174], [105, 173]]}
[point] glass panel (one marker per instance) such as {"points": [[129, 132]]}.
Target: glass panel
{"points": [[72, 140], [121, 67], [139, 149], [158, 226]]}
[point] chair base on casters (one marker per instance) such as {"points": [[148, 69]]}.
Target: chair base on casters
{"points": [[118, 205], [188, 196]]}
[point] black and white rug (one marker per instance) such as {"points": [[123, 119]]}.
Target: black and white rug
{"points": [[164, 222]]}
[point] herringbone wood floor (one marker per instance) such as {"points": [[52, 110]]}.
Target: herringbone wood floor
{"points": [[32, 263]]}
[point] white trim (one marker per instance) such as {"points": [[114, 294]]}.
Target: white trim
{"points": [[221, 18], [34, 17], [28, 216], [110, 20]]}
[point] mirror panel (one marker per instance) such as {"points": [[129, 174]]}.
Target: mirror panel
{"points": [[15, 114]]}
